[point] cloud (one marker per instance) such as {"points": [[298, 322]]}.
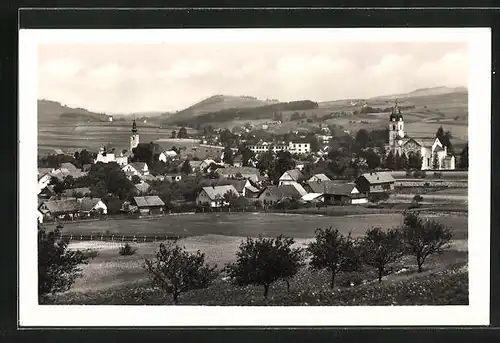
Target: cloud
{"points": [[132, 78]]}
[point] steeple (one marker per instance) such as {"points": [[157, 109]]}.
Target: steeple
{"points": [[396, 113], [134, 127]]}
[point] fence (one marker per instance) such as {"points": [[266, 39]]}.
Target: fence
{"points": [[119, 238]]}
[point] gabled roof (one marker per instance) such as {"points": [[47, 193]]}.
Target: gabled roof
{"points": [[218, 191], [69, 166], [295, 174], [284, 191], [139, 166], [331, 187], [376, 178], [321, 177], [43, 171], [424, 141], [142, 187], [236, 170], [239, 185], [87, 204], [69, 205], [150, 200], [71, 192], [299, 188]]}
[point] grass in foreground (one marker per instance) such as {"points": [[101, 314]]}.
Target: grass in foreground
{"points": [[446, 285]]}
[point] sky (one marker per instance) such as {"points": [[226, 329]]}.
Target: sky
{"points": [[131, 78]]}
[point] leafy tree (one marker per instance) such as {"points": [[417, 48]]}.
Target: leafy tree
{"points": [[404, 161], [424, 237], [390, 161], [414, 160], [58, 185], [333, 251], [372, 159], [174, 134], [228, 156], [58, 266], [311, 139], [281, 164], [362, 138], [176, 271], [464, 157], [182, 133], [126, 250], [380, 248], [263, 261], [265, 163], [247, 156], [398, 161], [136, 179], [445, 138], [68, 182], [186, 168], [435, 161]]}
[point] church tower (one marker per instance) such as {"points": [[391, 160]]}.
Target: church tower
{"points": [[396, 128], [134, 139]]}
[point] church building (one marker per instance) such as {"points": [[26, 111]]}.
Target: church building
{"points": [[105, 156], [434, 154]]}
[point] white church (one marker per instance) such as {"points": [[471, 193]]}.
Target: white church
{"points": [[122, 159], [428, 147]]}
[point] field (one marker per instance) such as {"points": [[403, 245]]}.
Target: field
{"points": [[251, 224], [94, 135]]}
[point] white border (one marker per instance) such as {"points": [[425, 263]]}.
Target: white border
{"points": [[477, 313]]}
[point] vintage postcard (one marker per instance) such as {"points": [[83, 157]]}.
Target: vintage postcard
{"points": [[254, 177]]}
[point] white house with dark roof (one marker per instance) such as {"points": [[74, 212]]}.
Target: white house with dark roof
{"points": [[318, 178], [213, 196], [290, 177], [136, 168]]}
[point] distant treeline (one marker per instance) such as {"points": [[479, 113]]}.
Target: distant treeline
{"points": [[369, 109], [261, 112]]}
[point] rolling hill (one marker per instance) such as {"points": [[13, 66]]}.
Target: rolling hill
{"points": [[214, 104], [432, 91], [53, 111]]}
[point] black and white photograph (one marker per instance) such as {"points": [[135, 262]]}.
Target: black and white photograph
{"points": [[255, 177]]}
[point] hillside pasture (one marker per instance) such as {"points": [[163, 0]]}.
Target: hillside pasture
{"points": [[92, 136]]}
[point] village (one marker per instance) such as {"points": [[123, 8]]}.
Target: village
{"points": [[225, 171]]}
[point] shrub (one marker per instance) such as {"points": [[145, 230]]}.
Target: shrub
{"points": [[263, 261], [438, 175], [334, 252], [417, 198], [176, 271], [379, 248], [91, 253], [58, 267], [127, 250], [424, 237]]}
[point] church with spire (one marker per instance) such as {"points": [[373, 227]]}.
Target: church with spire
{"points": [[433, 153], [105, 155]]}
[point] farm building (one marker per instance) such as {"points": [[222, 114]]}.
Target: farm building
{"points": [[273, 194], [60, 209], [89, 206], [166, 155], [318, 177], [213, 195], [146, 205], [43, 181], [136, 168], [291, 176], [375, 183], [243, 187], [250, 173], [337, 194]]}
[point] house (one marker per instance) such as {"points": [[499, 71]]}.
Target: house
{"points": [[238, 161], [273, 194], [213, 196], [206, 163], [243, 187], [167, 155], [39, 216], [337, 193], [89, 206], [313, 197], [293, 148], [43, 181], [76, 192], [195, 166], [375, 182], [250, 173], [318, 177], [47, 192], [147, 205], [291, 176], [142, 187], [173, 177], [60, 209], [136, 168], [61, 173]]}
